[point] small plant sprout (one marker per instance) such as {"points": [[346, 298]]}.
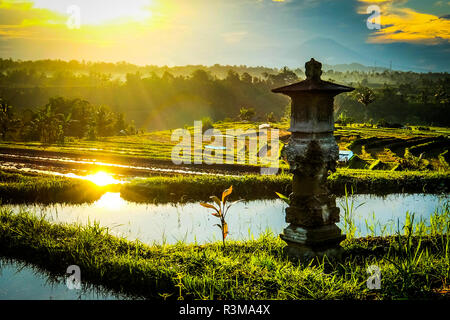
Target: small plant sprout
{"points": [[283, 197], [221, 210]]}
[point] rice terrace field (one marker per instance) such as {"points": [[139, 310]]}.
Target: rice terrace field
{"points": [[120, 177], [224, 159]]}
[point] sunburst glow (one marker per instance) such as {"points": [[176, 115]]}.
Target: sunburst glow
{"points": [[101, 179], [102, 11]]}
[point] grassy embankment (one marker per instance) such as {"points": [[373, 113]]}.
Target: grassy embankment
{"points": [[40, 188], [162, 189], [413, 266], [19, 187]]}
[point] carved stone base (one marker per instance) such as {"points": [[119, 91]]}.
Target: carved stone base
{"points": [[305, 243]]}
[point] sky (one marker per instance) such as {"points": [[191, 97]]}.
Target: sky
{"points": [[412, 35]]}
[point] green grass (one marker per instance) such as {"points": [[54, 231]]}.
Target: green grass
{"points": [[254, 269], [188, 188], [249, 187], [384, 182], [20, 187]]}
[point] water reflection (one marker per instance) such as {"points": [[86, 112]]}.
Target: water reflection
{"points": [[169, 223], [16, 162], [19, 281], [110, 201]]}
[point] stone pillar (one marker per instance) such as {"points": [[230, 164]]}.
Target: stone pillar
{"points": [[312, 153]]}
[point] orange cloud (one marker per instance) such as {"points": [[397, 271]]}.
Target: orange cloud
{"points": [[25, 14], [29, 32], [402, 24], [23, 20]]}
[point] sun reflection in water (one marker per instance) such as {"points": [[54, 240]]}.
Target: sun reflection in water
{"points": [[110, 201]]}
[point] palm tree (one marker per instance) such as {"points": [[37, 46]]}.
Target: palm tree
{"points": [[49, 125], [365, 96], [7, 122], [246, 114], [103, 120]]}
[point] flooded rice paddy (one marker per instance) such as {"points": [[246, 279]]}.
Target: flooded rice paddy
{"points": [[19, 281], [191, 223]]}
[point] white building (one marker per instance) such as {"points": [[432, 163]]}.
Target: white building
{"points": [[345, 155]]}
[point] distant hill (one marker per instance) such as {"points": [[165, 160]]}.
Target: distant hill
{"points": [[330, 52], [327, 51], [352, 67]]}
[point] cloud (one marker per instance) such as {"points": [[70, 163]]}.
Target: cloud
{"points": [[441, 3], [402, 24], [23, 20], [23, 14]]}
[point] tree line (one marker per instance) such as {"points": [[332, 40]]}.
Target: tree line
{"points": [[60, 119], [167, 97], [406, 104]]}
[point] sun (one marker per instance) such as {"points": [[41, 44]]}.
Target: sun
{"points": [[101, 179], [102, 11]]}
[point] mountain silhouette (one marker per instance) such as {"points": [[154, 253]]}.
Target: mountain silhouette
{"points": [[352, 67], [328, 52]]}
